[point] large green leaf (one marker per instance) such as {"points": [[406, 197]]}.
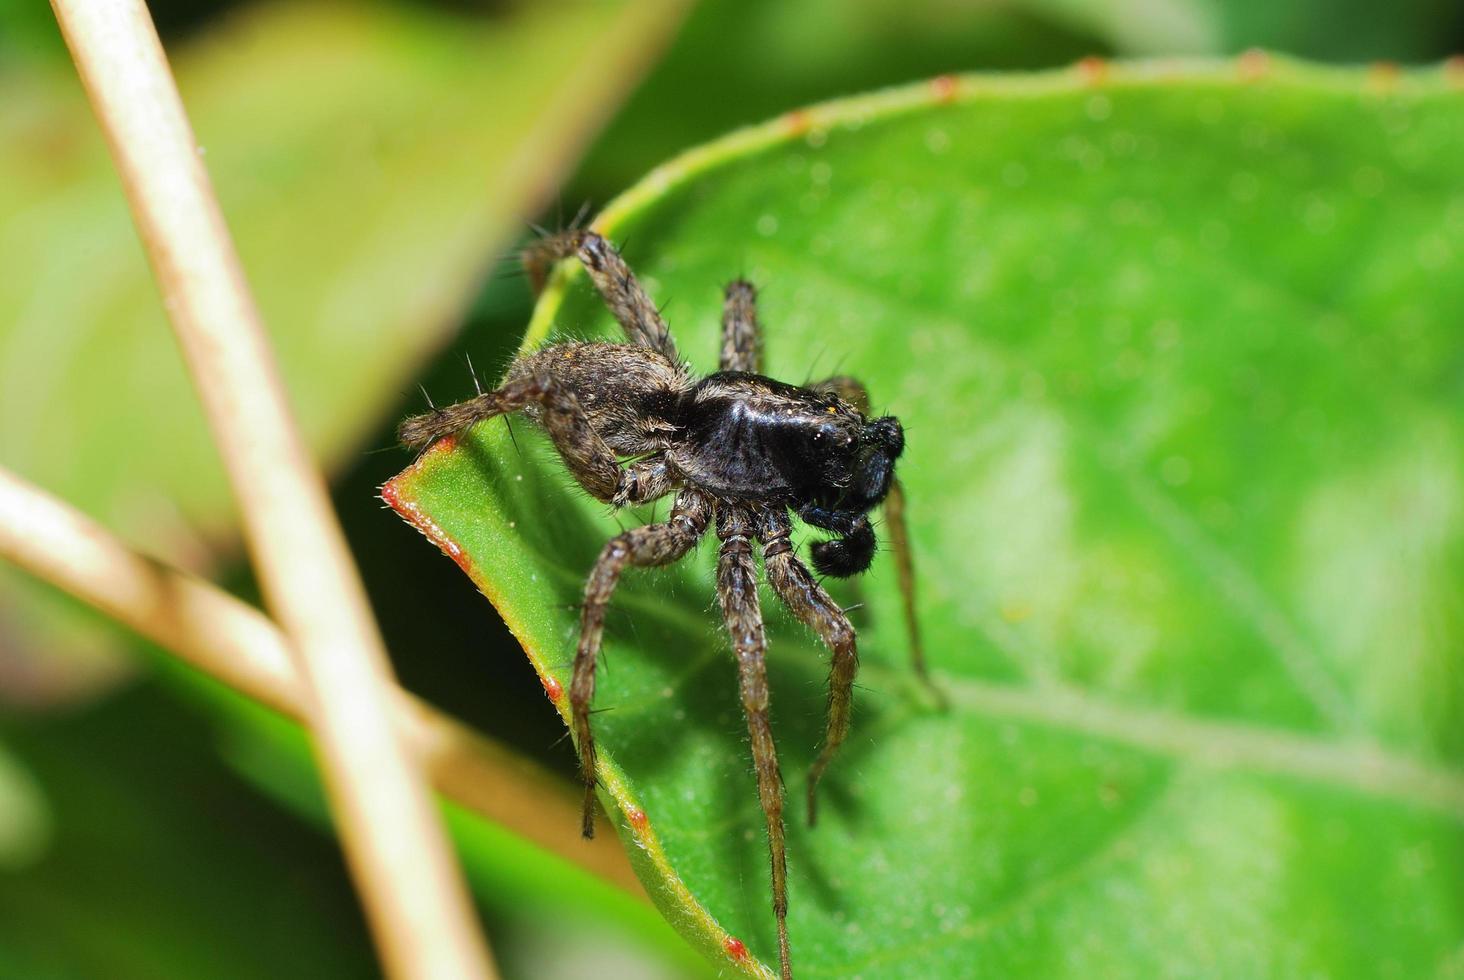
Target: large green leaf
{"points": [[1179, 353], [370, 160]]}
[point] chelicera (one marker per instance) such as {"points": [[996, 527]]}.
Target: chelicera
{"points": [[743, 455]]}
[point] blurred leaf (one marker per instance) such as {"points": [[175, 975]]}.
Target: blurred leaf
{"points": [[161, 864], [737, 63], [1178, 355], [1334, 30], [370, 159], [25, 816]]}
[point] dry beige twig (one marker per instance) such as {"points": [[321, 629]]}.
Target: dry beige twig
{"points": [[235, 643], [413, 892]]}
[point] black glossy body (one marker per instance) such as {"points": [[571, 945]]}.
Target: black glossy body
{"points": [[737, 436]]}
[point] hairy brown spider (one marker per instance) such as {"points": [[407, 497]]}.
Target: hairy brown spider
{"points": [[740, 450]]}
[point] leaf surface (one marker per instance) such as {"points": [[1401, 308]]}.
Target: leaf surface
{"points": [[1179, 356]]}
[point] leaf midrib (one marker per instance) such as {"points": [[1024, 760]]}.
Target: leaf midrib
{"points": [[1359, 765]]}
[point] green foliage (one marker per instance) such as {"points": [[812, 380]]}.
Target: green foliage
{"points": [[135, 879], [1331, 30], [1179, 360]]}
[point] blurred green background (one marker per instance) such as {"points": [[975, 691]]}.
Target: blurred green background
{"points": [[377, 162]]}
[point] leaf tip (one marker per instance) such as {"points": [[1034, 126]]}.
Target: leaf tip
{"points": [[407, 508]]}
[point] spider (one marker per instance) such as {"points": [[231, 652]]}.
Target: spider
{"points": [[741, 452]]}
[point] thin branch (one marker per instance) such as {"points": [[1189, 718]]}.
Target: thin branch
{"points": [[235, 643], [415, 899]]}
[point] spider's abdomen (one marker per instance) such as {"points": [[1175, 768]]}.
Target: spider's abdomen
{"points": [[627, 392]]}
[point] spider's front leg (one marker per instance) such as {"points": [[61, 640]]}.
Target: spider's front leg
{"points": [[654, 544], [737, 592], [626, 298], [853, 391], [808, 601]]}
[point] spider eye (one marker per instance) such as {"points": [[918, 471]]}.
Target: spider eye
{"points": [[887, 434]]}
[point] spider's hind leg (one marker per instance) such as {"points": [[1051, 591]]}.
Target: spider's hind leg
{"points": [[627, 299], [741, 335], [654, 544], [592, 463]]}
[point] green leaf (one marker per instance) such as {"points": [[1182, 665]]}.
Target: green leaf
{"points": [[1334, 30], [369, 159], [1178, 352], [157, 862], [25, 816]]}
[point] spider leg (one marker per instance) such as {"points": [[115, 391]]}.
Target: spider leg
{"points": [[654, 544], [853, 391], [808, 601], [592, 463], [741, 335], [737, 592], [894, 511], [625, 297]]}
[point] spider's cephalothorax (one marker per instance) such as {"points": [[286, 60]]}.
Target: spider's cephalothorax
{"points": [[740, 451]]}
